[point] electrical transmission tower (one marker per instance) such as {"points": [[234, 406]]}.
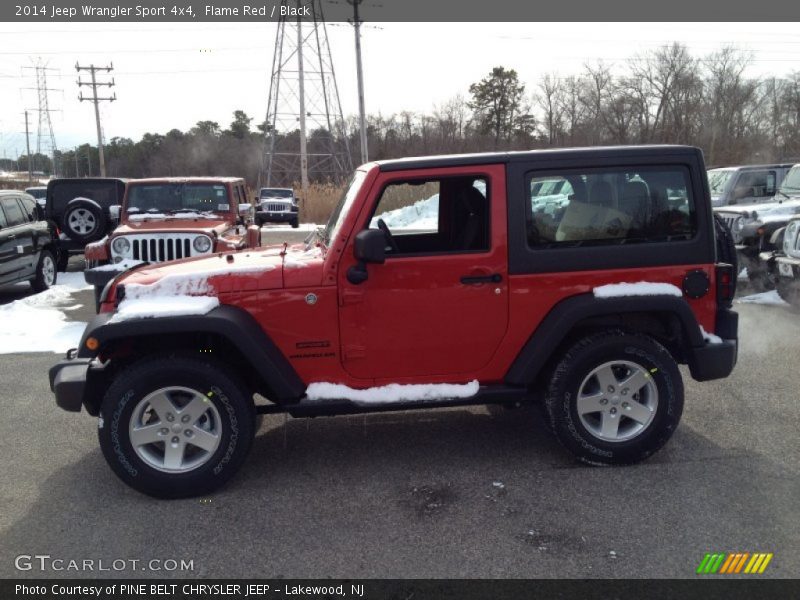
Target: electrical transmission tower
{"points": [[305, 130], [45, 137], [94, 98]]}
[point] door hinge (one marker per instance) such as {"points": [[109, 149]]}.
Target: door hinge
{"points": [[355, 351], [350, 296]]}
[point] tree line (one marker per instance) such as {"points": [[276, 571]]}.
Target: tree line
{"points": [[659, 96]]}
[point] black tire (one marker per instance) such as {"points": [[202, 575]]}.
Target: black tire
{"points": [[596, 350], [726, 248], [98, 291], [236, 422], [62, 261], [759, 279], [295, 223], [46, 273], [84, 221], [789, 291]]}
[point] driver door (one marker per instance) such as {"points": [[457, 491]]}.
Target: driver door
{"points": [[437, 309]]}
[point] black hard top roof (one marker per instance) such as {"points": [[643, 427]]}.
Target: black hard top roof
{"points": [[457, 160]]}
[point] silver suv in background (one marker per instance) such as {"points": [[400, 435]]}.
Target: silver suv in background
{"points": [[752, 184], [277, 205]]}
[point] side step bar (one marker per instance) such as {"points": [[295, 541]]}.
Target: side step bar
{"points": [[319, 408]]}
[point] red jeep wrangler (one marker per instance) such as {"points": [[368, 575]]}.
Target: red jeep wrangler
{"points": [[167, 219], [439, 281]]}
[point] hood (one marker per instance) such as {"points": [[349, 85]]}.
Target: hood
{"points": [[171, 225], [260, 269]]}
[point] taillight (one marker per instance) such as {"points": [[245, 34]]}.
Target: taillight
{"points": [[725, 284]]}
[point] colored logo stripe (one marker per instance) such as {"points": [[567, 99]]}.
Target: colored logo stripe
{"points": [[734, 562]]}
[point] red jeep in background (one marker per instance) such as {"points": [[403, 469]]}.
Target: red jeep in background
{"points": [[577, 278], [168, 219]]}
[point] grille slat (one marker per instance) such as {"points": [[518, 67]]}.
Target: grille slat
{"points": [[161, 247], [277, 207]]}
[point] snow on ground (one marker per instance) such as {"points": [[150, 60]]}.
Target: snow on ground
{"points": [[769, 298], [393, 392], [120, 266], [423, 214], [643, 288], [164, 306], [38, 323]]}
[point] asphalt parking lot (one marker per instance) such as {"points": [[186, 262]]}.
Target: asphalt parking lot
{"points": [[446, 493]]}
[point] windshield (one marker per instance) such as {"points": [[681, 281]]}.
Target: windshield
{"points": [[169, 198], [343, 207], [791, 182], [717, 180], [276, 193]]}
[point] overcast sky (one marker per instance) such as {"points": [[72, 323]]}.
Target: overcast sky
{"points": [[173, 75]]}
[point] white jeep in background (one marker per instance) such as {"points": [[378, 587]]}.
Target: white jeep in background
{"points": [[277, 205]]}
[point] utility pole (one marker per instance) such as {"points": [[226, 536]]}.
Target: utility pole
{"points": [[360, 75], [76, 162], [95, 84], [28, 144]]}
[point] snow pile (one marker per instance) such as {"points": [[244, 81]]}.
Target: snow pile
{"points": [[145, 216], [423, 214], [769, 298], [393, 392], [165, 306], [710, 337], [35, 323], [643, 288]]}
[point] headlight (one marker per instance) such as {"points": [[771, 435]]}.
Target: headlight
{"points": [[202, 244], [121, 245], [787, 243], [739, 224]]}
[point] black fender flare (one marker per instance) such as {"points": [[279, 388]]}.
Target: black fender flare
{"points": [[232, 323], [562, 318]]}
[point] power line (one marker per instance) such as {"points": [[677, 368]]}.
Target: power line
{"points": [[96, 99]]}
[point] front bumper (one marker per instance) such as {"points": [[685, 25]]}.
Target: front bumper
{"points": [[276, 217], [68, 382], [99, 278]]}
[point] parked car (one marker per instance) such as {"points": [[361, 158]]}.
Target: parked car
{"points": [[753, 227], [277, 205], [169, 219], [489, 303], [81, 209], [39, 194], [749, 184], [28, 244], [786, 262]]}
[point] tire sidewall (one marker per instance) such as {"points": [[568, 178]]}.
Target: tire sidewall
{"points": [[562, 402], [39, 282], [128, 390]]}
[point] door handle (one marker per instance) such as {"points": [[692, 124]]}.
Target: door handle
{"points": [[12, 237], [478, 279]]}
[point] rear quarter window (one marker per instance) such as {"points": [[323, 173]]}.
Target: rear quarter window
{"points": [[609, 206]]}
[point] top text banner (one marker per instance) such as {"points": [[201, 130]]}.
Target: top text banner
{"points": [[402, 10]]}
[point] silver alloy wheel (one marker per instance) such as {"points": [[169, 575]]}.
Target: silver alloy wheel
{"points": [[175, 429], [617, 401], [48, 270], [81, 220]]}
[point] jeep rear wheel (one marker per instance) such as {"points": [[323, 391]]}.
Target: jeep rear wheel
{"points": [[175, 427], [789, 291], [615, 398]]}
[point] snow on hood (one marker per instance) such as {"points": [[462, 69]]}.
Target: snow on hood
{"points": [[172, 225]]}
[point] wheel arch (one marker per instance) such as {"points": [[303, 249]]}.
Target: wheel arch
{"points": [[668, 319], [228, 335]]}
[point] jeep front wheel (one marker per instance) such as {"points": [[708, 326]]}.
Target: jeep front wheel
{"points": [[615, 398], [175, 427]]}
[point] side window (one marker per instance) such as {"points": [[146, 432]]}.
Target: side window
{"points": [[435, 215], [3, 222], [14, 214], [771, 186], [30, 208], [609, 206]]}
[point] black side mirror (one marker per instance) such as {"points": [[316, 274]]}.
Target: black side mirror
{"points": [[370, 247]]}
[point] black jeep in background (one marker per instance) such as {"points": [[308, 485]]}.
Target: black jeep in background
{"points": [[81, 209]]}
